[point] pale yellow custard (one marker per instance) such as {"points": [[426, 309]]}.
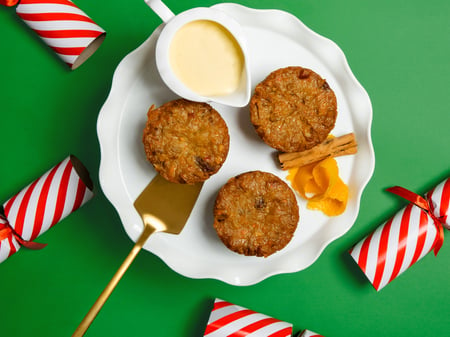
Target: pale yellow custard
{"points": [[207, 58]]}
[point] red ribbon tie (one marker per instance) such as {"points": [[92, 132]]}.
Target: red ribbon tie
{"points": [[6, 230], [9, 3], [421, 202]]}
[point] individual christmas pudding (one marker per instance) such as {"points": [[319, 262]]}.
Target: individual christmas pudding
{"points": [[293, 109], [185, 141], [256, 213]]}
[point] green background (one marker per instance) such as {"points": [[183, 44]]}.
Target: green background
{"points": [[398, 49]]}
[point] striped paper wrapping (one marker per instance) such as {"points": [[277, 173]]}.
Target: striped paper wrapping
{"points": [[227, 319], [402, 240], [308, 333], [45, 202], [65, 28]]}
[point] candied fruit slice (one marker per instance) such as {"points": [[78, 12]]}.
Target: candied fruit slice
{"points": [[319, 183]]}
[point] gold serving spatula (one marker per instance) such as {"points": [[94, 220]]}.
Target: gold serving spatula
{"points": [[163, 207]]}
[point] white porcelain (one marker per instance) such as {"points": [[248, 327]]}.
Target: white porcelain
{"points": [[276, 39], [172, 23]]}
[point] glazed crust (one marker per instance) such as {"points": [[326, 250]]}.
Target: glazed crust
{"points": [[185, 141], [293, 109], [256, 213]]}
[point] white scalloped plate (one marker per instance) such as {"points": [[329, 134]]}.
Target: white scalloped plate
{"points": [[276, 39]]}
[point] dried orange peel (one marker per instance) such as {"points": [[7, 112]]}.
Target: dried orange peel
{"points": [[319, 183]]}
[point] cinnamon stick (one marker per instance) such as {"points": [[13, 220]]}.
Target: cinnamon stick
{"points": [[331, 147]]}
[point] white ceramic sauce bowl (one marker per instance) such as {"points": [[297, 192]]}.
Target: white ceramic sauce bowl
{"points": [[172, 24]]}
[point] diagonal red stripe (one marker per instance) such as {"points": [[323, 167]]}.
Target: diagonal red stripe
{"points": [[445, 200], [402, 241], [20, 219], [286, 332], [7, 206], [62, 192], [254, 327], [362, 260], [81, 189], [68, 50], [12, 246], [217, 324], [40, 211], [423, 226], [68, 33], [54, 17], [382, 249], [222, 304]]}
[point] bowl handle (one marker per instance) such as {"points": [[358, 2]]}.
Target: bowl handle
{"points": [[160, 9]]}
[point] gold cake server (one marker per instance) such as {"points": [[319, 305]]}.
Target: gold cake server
{"points": [[164, 207]]}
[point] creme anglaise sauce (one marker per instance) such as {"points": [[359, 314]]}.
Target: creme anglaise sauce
{"points": [[207, 58]]}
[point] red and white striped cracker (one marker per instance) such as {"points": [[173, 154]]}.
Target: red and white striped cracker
{"points": [[64, 27], [395, 246], [45, 202], [308, 333], [227, 319], [403, 240]]}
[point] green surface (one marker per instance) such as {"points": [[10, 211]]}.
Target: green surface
{"points": [[399, 51]]}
